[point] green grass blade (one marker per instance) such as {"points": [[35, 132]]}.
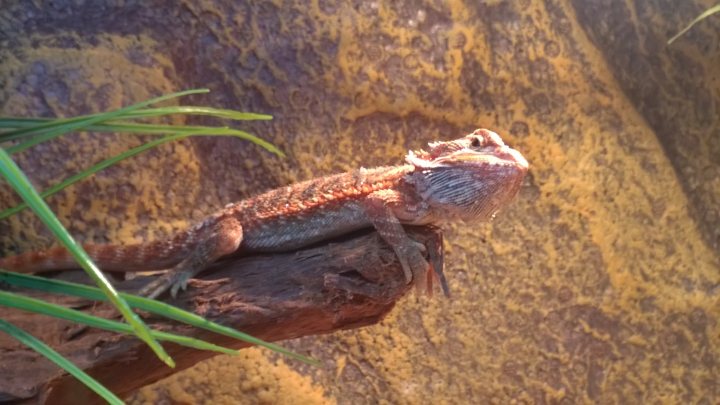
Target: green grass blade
{"points": [[134, 151], [24, 303], [22, 122], [145, 304], [62, 126], [191, 130], [132, 127], [197, 110], [22, 186], [44, 125], [704, 15], [32, 125], [45, 350]]}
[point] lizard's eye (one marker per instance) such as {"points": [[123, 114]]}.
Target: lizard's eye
{"points": [[476, 142]]}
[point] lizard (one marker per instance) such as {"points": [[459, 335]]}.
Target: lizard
{"points": [[466, 179]]}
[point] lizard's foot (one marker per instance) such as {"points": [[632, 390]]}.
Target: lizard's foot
{"points": [[173, 281], [414, 264], [417, 269], [218, 239], [179, 282]]}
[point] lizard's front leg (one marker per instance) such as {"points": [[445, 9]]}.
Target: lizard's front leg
{"points": [[215, 241], [409, 252]]}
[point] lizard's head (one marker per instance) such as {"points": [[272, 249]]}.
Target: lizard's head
{"points": [[469, 178]]}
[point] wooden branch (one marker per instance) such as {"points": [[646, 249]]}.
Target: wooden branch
{"points": [[345, 284]]}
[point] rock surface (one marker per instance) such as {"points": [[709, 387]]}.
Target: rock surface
{"points": [[599, 285]]}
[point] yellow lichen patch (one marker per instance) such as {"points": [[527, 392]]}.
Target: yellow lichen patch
{"points": [[633, 239], [249, 378]]}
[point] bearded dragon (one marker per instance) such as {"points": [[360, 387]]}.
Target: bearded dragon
{"points": [[467, 179]]}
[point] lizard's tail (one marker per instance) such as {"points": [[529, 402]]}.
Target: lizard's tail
{"points": [[156, 255]]}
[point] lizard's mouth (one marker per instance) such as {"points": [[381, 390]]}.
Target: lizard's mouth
{"points": [[501, 156]]}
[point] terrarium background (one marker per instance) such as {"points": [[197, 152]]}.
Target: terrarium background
{"points": [[599, 283]]}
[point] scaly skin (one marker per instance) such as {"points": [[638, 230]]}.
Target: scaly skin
{"points": [[467, 179]]}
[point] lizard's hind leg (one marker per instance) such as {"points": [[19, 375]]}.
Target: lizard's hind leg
{"points": [[220, 239]]}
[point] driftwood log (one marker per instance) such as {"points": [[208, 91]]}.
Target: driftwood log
{"points": [[339, 285]]}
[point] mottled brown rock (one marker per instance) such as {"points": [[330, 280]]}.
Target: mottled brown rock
{"points": [[617, 220]]}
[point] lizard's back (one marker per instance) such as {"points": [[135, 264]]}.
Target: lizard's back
{"points": [[282, 219], [304, 213]]}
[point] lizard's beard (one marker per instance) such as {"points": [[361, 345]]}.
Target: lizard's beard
{"points": [[469, 192]]}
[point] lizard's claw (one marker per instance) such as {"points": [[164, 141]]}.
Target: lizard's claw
{"points": [[179, 283], [155, 288], [414, 264], [421, 246], [418, 270], [171, 281], [407, 270]]}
